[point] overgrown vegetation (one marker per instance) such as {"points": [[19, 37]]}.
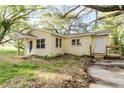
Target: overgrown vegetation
{"points": [[9, 70], [43, 72]]}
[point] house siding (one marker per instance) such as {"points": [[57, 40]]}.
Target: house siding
{"points": [[83, 49], [54, 50], [40, 51], [67, 47]]}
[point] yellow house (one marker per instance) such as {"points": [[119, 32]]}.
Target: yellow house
{"points": [[45, 43]]}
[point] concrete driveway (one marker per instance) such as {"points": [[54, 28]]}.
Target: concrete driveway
{"points": [[107, 74]]}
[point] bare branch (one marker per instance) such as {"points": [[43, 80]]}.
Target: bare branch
{"points": [[53, 27], [73, 9], [80, 12], [106, 16], [5, 41], [87, 13], [24, 29]]}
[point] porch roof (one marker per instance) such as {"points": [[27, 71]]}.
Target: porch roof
{"points": [[22, 35]]}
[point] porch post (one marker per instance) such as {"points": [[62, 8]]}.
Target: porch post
{"points": [[106, 51], [90, 50]]}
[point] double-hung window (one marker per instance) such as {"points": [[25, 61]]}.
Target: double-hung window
{"points": [[73, 42], [40, 43], [58, 43], [76, 42]]}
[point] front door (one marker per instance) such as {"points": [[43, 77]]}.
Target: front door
{"points": [[100, 45], [30, 46]]}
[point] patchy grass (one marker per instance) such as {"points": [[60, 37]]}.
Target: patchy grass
{"points": [[38, 71], [55, 66], [9, 70]]}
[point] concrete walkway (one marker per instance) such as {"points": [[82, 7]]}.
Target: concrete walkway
{"points": [[108, 74]]}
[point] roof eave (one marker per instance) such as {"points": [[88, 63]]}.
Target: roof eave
{"points": [[24, 36]]}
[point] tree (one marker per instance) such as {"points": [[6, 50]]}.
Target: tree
{"points": [[115, 9], [106, 8], [12, 18], [53, 20]]}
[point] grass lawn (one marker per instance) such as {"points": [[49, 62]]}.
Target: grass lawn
{"points": [[9, 51], [9, 70], [34, 72]]}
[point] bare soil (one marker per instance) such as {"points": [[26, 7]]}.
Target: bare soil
{"points": [[72, 74]]}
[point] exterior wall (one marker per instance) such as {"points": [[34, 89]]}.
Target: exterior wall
{"points": [[83, 49], [105, 40], [67, 47], [40, 51], [55, 51]]}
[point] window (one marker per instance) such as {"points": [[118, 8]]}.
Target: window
{"points": [[40, 43], [76, 42], [58, 43], [73, 42]]}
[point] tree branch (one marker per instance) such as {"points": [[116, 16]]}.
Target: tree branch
{"points": [[106, 8], [5, 41], [70, 11], [19, 12], [80, 12], [16, 45], [106, 16], [24, 29], [4, 14], [21, 16], [53, 27], [87, 13]]}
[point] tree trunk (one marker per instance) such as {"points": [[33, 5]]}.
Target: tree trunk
{"points": [[18, 48]]}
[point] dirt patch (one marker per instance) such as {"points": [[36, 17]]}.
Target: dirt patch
{"points": [[15, 59], [70, 75], [51, 80]]}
